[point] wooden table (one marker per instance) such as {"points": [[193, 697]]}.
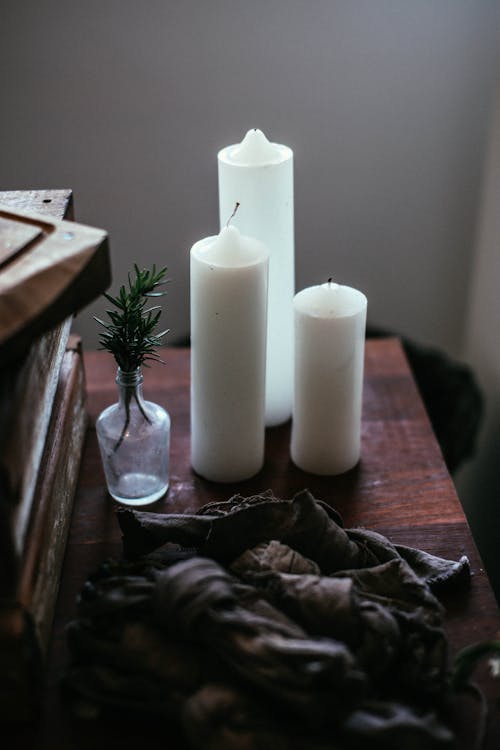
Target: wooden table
{"points": [[401, 488]]}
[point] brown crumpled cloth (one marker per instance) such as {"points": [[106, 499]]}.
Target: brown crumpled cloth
{"points": [[270, 626]]}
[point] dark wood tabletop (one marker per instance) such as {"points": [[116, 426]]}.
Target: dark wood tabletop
{"points": [[401, 488]]}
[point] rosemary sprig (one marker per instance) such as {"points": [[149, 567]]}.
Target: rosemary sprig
{"points": [[130, 336]]}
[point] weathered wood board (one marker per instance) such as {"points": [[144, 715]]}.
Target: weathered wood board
{"points": [[49, 269]]}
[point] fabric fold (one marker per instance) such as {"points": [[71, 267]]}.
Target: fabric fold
{"points": [[259, 622]]}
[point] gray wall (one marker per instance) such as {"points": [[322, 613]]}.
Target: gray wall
{"points": [[384, 103], [479, 481]]}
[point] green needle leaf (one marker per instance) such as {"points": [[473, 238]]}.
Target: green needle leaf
{"points": [[129, 336]]}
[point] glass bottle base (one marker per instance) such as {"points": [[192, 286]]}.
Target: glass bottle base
{"points": [[138, 489]]}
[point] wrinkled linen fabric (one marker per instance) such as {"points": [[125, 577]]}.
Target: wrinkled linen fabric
{"points": [[261, 622]]}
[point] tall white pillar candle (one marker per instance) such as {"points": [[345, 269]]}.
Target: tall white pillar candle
{"points": [[229, 275], [330, 322], [259, 175]]}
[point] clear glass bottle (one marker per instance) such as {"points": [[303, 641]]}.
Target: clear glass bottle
{"points": [[134, 440]]}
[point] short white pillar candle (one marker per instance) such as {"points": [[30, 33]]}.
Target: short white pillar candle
{"points": [[229, 275], [259, 175], [330, 322]]}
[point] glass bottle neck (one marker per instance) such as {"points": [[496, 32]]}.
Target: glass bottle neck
{"points": [[129, 386]]}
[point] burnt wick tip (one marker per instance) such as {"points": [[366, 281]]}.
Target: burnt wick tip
{"points": [[234, 212]]}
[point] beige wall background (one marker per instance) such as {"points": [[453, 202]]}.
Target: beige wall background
{"points": [[387, 104]]}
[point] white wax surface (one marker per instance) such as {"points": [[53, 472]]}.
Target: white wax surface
{"points": [[330, 325], [255, 150], [228, 344], [259, 176]]}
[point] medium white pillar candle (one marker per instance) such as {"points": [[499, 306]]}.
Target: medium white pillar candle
{"points": [[330, 322], [259, 175], [229, 275]]}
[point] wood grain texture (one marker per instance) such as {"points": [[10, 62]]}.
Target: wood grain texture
{"points": [[63, 267], [14, 238], [52, 203], [24, 440], [26, 617], [42, 431], [401, 488], [401, 478], [24, 423], [50, 519]]}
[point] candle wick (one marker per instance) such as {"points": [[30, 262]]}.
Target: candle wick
{"points": [[330, 280], [233, 214]]}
